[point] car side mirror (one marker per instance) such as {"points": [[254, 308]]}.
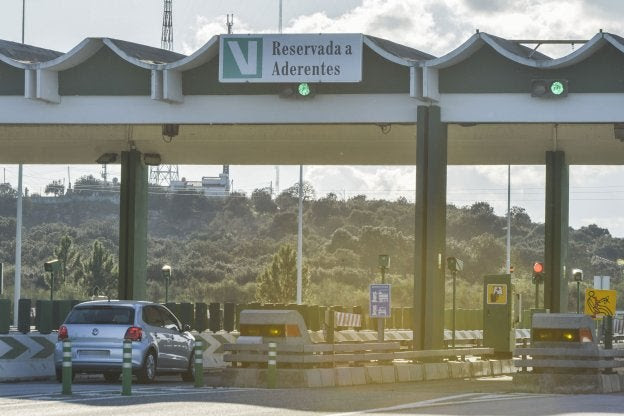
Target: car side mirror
{"points": [[186, 328]]}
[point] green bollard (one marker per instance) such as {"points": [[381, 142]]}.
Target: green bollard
{"points": [[272, 366], [67, 368], [199, 364], [126, 369]]}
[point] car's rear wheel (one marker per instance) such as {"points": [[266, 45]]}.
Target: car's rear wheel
{"points": [[147, 373], [189, 374], [111, 377]]}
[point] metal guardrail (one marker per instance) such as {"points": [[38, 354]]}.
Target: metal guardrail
{"points": [[557, 358], [332, 354]]}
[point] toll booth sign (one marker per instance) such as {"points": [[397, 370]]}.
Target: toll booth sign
{"points": [[599, 303], [379, 301], [497, 294]]}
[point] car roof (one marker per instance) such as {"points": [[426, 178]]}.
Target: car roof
{"points": [[114, 302]]}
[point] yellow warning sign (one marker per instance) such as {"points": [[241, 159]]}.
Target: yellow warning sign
{"points": [[496, 294], [600, 302]]}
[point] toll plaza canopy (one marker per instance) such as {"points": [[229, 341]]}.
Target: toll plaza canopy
{"points": [[107, 95], [342, 99]]}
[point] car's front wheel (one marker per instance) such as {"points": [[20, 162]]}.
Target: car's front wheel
{"points": [[147, 373], [189, 374]]}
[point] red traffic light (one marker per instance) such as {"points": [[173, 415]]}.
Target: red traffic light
{"points": [[538, 267]]}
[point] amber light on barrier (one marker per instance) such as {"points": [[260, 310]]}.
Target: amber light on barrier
{"points": [[563, 335], [268, 330]]}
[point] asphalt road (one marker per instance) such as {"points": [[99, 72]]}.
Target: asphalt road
{"points": [[488, 396]]}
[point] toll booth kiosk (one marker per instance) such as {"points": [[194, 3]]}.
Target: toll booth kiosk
{"points": [[498, 326]]}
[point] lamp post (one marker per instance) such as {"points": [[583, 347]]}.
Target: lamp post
{"points": [[53, 267], [577, 276], [166, 273], [454, 265]]}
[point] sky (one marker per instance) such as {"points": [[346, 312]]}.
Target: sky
{"points": [[432, 26]]}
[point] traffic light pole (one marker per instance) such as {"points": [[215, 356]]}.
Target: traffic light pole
{"points": [[454, 274], [381, 321], [536, 295], [578, 297], [51, 286]]}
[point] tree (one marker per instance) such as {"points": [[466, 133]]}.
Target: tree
{"points": [[65, 254], [278, 282], [262, 201], [88, 185], [100, 269], [56, 188], [308, 191]]}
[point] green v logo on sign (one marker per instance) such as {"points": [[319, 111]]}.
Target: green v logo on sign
{"points": [[242, 58]]}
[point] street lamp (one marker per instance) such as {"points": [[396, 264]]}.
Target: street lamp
{"points": [[454, 265], [52, 266], [166, 273], [577, 275]]}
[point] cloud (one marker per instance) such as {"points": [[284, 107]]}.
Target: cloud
{"points": [[439, 26], [377, 182]]}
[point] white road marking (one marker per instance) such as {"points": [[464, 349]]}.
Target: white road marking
{"points": [[93, 395], [459, 399]]}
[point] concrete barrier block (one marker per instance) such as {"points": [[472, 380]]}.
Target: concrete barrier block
{"points": [[459, 369], [358, 376], [373, 374], [480, 368], [286, 378], [567, 383], [496, 369], [436, 371], [507, 367], [402, 372], [313, 378], [328, 377], [343, 376], [240, 377], [387, 374], [417, 372]]}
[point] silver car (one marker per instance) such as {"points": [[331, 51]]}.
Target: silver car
{"points": [[97, 329]]}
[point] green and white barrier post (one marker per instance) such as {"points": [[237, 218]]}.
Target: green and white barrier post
{"points": [[199, 364], [272, 366], [126, 369], [67, 368]]}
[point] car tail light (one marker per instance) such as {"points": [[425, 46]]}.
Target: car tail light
{"points": [[62, 333], [134, 333]]}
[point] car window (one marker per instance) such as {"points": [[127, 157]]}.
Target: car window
{"points": [[101, 315], [151, 316], [169, 320]]}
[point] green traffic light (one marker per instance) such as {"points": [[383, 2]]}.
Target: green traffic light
{"points": [[557, 88], [304, 89]]}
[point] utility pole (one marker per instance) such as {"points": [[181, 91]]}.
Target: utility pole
{"points": [[508, 263], [300, 240], [280, 17], [17, 290], [165, 174]]}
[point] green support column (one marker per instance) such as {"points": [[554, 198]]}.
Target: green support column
{"points": [[430, 238], [132, 226], [556, 230]]}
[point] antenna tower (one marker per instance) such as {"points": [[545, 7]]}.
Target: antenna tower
{"points": [[226, 168], [165, 174], [166, 40]]}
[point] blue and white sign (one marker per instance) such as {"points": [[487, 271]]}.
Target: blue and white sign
{"points": [[290, 58], [379, 301]]}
